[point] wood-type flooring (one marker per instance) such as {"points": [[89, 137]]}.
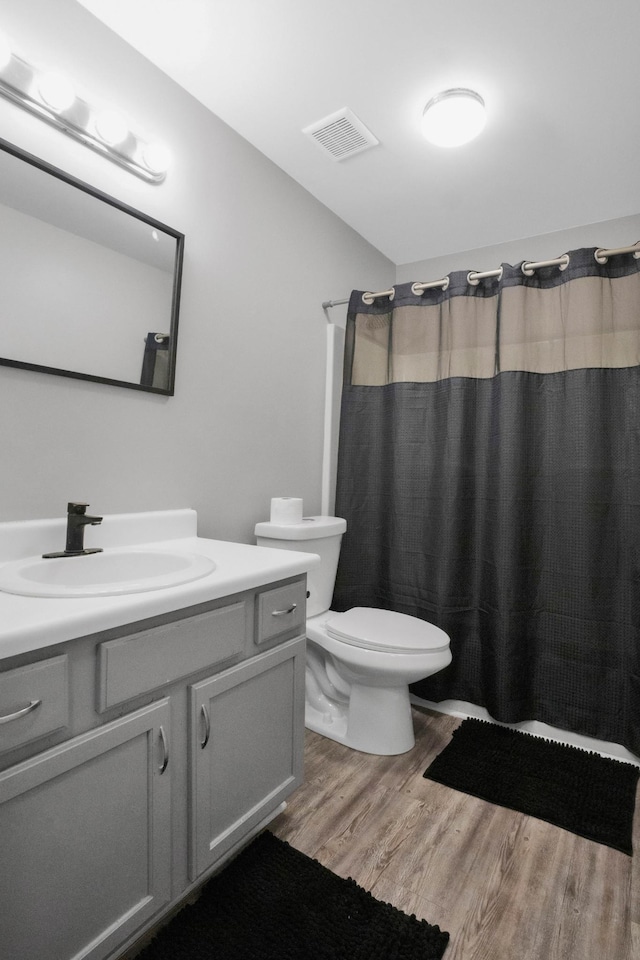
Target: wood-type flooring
{"points": [[505, 886]]}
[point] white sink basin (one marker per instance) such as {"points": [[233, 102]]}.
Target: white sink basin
{"points": [[112, 572]]}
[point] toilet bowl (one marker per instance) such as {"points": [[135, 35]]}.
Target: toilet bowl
{"points": [[359, 662]]}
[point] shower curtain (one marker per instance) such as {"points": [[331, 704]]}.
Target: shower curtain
{"points": [[155, 361], [489, 473]]}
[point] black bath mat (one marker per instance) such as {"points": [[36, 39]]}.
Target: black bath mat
{"points": [[274, 903], [585, 793]]}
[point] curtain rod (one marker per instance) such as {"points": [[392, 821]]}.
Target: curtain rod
{"points": [[333, 303], [528, 268]]}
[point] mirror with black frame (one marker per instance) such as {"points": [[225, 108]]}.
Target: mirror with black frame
{"points": [[89, 287]]}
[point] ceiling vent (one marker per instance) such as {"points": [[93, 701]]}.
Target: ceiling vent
{"points": [[341, 135]]}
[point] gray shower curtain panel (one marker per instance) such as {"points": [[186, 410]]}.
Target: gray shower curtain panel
{"points": [[489, 473], [155, 361]]}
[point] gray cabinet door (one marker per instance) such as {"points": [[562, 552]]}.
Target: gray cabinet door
{"points": [[84, 840], [246, 746]]}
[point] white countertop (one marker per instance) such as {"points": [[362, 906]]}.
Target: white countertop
{"points": [[30, 623]]}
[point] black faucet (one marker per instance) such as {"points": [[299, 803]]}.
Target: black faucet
{"points": [[77, 520]]}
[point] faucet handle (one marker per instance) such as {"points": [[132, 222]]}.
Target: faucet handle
{"points": [[77, 508]]}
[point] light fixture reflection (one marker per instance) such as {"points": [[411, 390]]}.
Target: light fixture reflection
{"points": [[453, 117]]}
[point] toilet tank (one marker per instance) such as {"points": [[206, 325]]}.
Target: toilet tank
{"points": [[321, 535]]}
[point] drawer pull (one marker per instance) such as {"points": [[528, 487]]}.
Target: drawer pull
{"points": [[22, 712], [283, 613], [165, 751], [207, 726]]}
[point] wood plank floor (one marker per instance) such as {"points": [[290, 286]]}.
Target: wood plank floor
{"points": [[505, 886]]}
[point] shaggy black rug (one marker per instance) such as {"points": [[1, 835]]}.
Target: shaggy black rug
{"points": [[582, 792], [274, 903]]}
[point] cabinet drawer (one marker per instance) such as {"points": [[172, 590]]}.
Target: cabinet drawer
{"points": [[150, 659], [281, 612], [34, 701]]}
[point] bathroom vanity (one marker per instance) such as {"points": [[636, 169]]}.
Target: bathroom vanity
{"points": [[137, 756]]}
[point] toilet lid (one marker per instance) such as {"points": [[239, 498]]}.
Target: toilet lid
{"points": [[386, 630]]}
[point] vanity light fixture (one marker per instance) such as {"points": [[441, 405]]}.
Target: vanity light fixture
{"points": [[453, 117], [55, 91], [5, 52], [155, 156], [111, 127], [51, 97]]}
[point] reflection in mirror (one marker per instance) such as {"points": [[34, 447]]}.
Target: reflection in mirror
{"points": [[89, 287]]}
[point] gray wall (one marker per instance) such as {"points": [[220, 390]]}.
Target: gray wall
{"points": [[261, 255]]}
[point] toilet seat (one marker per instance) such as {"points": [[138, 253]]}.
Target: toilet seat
{"points": [[386, 630]]}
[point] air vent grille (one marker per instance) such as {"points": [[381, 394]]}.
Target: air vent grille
{"points": [[341, 135]]}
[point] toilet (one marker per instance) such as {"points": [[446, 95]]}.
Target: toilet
{"points": [[360, 662]]}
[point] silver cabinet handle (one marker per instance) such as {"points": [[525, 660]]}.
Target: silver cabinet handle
{"points": [[283, 613], [207, 726], [165, 751], [22, 712]]}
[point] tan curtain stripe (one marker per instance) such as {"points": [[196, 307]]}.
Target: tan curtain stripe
{"points": [[522, 327]]}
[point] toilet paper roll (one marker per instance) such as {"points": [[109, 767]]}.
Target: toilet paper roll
{"points": [[286, 510]]}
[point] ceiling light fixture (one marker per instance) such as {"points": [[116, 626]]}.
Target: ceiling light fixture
{"points": [[453, 117], [52, 98]]}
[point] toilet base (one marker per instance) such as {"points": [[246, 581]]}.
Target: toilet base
{"points": [[374, 720]]}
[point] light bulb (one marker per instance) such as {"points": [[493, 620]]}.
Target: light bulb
{"points": [[111, 127], [453, 117], [156, 157], [55, 91]]}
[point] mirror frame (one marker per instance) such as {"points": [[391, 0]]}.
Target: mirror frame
{"points": [[53, 171]]}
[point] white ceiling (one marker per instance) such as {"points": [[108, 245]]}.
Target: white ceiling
{"points": [[559, 78]]}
